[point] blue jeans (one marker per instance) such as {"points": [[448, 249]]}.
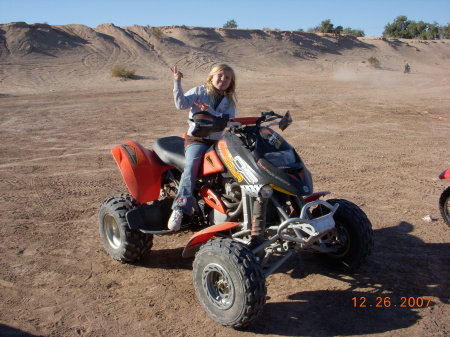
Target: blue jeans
{"points": [[185, 200]]}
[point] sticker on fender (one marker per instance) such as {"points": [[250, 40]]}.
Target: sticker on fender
{"points": [[237, 166]]}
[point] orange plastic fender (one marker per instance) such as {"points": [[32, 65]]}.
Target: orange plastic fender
{"points": [[141, 170], [445, 174], [204, 235]]}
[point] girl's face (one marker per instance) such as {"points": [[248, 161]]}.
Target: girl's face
{"points": [[222, 80]]}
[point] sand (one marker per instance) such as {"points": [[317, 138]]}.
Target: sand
{"points": [[374, 136]]}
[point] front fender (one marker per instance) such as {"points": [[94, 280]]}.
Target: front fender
{"points": [[204, 235]]}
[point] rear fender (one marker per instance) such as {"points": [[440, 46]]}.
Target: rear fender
{"points": [[203, 236], [445, 174], [141, 170]]}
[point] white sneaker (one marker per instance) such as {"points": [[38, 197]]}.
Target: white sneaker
{"points": [[175, 220]]}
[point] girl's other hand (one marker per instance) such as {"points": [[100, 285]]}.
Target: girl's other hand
{"points": [[202, 105], [177, 75]]}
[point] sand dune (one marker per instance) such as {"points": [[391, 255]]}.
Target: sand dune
{"points": [[38, 57]]}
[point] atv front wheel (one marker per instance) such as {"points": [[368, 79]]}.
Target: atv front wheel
{"points": [[444, 205], [122, 243], [352, 239], [229, 283]]}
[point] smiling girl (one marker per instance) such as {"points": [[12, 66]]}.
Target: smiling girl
{"points": [[217, 96]]}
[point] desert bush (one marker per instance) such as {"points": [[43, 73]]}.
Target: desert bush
{"points": [[122, 71], [157, 33], [374, 62]]}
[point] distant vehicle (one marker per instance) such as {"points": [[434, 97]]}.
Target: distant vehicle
{"points": [[407, 68]]}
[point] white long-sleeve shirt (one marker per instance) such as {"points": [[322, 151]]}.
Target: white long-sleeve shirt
{"points": [[186, 100]]}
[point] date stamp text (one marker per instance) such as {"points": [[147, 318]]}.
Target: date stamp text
{"points": [[387, 302]]}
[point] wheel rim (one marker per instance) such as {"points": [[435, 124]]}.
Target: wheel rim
{"points": [[218, 286], [341, 240], [112, 231]]}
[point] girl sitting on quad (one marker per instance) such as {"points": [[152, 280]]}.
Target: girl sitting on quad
{"points": [[217, 96]]}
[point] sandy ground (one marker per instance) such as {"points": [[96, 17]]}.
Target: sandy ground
{"points": [[376, 137]]}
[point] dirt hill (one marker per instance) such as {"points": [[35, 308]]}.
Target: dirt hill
{"points": [[76, 56], [374, 136]]}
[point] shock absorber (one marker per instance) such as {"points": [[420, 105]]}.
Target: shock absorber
{"points": [[258, 222]]}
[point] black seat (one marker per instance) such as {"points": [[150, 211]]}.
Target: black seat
{"points": [[171, 151]]}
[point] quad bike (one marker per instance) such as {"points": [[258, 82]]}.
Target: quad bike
{"points": [[407, 69], [252, 184], [444, 199]]}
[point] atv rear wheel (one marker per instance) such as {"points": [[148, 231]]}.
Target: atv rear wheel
{"points": [[122, 243], [353, 238], [444, 205], [229, 283]]}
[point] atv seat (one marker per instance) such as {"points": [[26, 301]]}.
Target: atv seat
{"points": [[171, 151]]}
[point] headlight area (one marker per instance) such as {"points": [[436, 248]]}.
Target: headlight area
{"points": [[266, 191]]}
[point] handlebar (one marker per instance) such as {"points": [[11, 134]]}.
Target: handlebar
{"points": [[266, 116]]}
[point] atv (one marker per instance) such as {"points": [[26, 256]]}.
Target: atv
{"points": [[255, 207]]}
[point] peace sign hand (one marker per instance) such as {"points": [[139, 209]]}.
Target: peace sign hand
{"points": [[177, 75], [202, 105]]}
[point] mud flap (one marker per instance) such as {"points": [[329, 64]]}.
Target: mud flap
{"points": [[201, 237], [149, 219]]}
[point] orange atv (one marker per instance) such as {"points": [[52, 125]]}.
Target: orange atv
{"points": [[255, 207]]}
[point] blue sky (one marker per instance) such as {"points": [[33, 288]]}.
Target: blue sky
{"points": [[370, 16]]}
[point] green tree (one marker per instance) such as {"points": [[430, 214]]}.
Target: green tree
{"points": [[314, 29], [418, 29], [326, 26], [433, 31], [398, 29], [230, 24], [353, 32], [407, 29], [444, 32]]}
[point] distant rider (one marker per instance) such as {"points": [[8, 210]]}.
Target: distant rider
{"points": [[407, 68]]}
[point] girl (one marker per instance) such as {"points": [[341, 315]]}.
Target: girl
{"points": [[217, 96]]}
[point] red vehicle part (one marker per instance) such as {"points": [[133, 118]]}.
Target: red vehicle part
{"points": [[445, 174], [315, 196], [201, 237], [212, 199], [211, 164], [245, 120], [141, 170]]}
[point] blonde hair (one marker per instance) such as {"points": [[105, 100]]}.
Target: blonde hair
{"points": [[230, 92]]}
